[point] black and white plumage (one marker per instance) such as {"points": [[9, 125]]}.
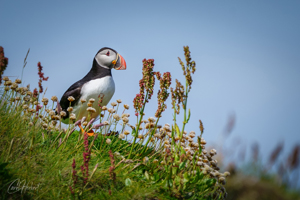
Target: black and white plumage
{"points": [[98, 81]]}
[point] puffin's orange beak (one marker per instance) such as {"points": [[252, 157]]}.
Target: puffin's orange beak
{"points": [[121, 64]]}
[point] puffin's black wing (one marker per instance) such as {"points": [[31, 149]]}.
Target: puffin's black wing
{"points": [[74, 91]]}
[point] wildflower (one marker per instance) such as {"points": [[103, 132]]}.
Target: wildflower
{"points": [[126, 132], [163, 94], [116, 117], [201, 127], [6, 88], [71, 99], [84, 123], [29, 93], [3, 64], [104, 108], [140, 136], [18, 81], [126, 106], [125, 115], [117, 154], [125, 120], [213, 152], [5, 78], [42, 78], [51, 113], [113, 104], [35, 93], [72, 116], [45, 101], [147, 126], [151, 119], [131, 126], [145, 159], [54, 98], [108, 141], [82, 100], [222, 180], [203, 142], [122, 136], [14, 86], [70, 109], [96, 126], [89, 104], [91, 100], [128, 161], [83, 119], [111, 110], [100, 97], [63, 113], [57, 117], [90, 109], [30, 124], [44, 125], [192, 134], [25, 107], [226, 174], [155, 161], [91, 121], [105, 123]]}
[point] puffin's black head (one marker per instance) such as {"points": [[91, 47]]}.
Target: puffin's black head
{"points": [[108, 58]]}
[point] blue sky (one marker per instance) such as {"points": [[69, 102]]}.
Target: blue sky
{"points": [[247, 56]]}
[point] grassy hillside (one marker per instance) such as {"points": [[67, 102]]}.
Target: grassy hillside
{"points": [[40, 160]]}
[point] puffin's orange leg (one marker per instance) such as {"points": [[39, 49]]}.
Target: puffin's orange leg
{"points": [[91, 133]]}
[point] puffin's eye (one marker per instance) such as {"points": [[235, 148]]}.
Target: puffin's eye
{"points": [[107, 53]]}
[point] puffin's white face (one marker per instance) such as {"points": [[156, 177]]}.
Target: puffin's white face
{"points": [[106, 57]]}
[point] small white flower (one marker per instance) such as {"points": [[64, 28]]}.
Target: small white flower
{"points": [[111, 110], [125, 120], [72, 116], [116, 117], [126, 106], [70, 109], [151, 119], [108, 141], [122, 136], [146, 159], [126, 132], [90, 109], [63, 113], [70, 98], [54, 98], [91, 100]]}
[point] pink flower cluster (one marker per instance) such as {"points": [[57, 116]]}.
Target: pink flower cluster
{"points": [[41, 75]]}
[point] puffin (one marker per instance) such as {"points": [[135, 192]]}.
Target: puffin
{"points": [[98, 84]]}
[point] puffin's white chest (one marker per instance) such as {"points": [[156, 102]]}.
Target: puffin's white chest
{"points": [[101, 86], [105, 87]]}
